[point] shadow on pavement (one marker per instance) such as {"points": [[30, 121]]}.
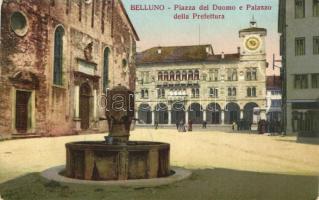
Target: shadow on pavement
{"points": [[210, 184]]}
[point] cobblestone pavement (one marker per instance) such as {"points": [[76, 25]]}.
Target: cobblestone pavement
{"points": [[193, 150]]}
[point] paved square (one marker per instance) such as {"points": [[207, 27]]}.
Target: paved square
{"points": [[221, 161]]}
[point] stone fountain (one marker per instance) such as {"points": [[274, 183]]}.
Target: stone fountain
{"points": [[117, 158]]}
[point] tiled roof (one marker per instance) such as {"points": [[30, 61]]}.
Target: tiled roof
{"points": [[179, 54]]}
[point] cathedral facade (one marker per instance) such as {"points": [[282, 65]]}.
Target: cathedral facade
{"points": [[181, 83], [57, 59]]}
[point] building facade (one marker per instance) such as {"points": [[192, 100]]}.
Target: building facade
{"points": [[183, 83], [274, 99], [57, 59], [298, 22]]}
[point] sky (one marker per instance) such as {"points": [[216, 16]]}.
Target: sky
{"points": [[159, 28]]}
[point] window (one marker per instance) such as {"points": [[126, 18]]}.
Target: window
{"points": [[165, 76], [172, 76], [276, 103], [178, 75], [160, 76], [19, 23], [58, 56], [251, 74], [147, 77], [251, 92], [232, 74], [275, 92], [301, 81], [144, 93], [315, 80], [315, 8], [195, 93], [299, 8], [316, 45], [213, 92], [190, 75], [161, 93], [124, 66], [214, 75], [196, 76], [106, 69], [232, 91], [300, 46], [184, 75]]}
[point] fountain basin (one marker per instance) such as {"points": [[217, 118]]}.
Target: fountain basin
{"points": [[98, 160]]}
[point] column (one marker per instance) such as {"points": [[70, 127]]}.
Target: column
{"points": [[186, 117], [241, 114], [169, 117], [95, 117], [136, 117], [76, 101], [263, 115], [204, 115], [95, 105], [223, 116], [76, 108], [153, 117]]}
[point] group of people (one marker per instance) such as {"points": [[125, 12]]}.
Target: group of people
{"points": [[182, 127], [242, 125], [269, 126]]}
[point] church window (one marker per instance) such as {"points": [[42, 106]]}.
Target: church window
{"points": [[58, 56]]}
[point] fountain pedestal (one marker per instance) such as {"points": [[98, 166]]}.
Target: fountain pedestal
{"points": [[117, 158]]}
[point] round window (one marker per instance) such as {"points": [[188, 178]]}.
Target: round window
{"points": [[19, 23]]}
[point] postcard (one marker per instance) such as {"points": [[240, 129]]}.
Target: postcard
{"points": [[159, 99]]}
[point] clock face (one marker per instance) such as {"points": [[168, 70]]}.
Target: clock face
{"points": [[252, 43]]}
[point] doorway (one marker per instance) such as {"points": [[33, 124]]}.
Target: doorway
{"points": [[85, 97], [23, 111]]}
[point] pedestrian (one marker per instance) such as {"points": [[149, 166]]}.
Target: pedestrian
{"points": [[181, 126], [156, 124], [204, 124], [177, 125], [233, 125], [190, 125]]}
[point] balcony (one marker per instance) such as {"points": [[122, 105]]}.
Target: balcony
{"points": [[177, 82]]}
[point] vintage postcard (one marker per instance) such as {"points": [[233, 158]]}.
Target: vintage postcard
{"points": [[159, 99]]}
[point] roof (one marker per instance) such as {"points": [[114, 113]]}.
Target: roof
{"points": [[180, 54], [273, 82], [253, 29]]}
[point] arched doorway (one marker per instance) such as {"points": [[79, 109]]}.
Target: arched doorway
{"points": [[249, 114], [145, 114], [195, 113], [232, 113], [85, 102], [161, 113], [213, 111], [178, 112]]}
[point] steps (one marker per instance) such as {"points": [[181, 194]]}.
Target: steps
{"points": [[25, 136]]}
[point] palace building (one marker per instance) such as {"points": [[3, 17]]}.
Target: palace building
{"points": [[182, 83], [57, 59]]}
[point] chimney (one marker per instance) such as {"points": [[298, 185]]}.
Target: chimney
{"points": [[223, 55], [238, 50], [159, 50]]}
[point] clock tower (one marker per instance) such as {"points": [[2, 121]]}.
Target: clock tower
{"points": [[253, 43]]}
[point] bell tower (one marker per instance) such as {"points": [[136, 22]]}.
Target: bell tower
{"points": [[253, 42]]}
